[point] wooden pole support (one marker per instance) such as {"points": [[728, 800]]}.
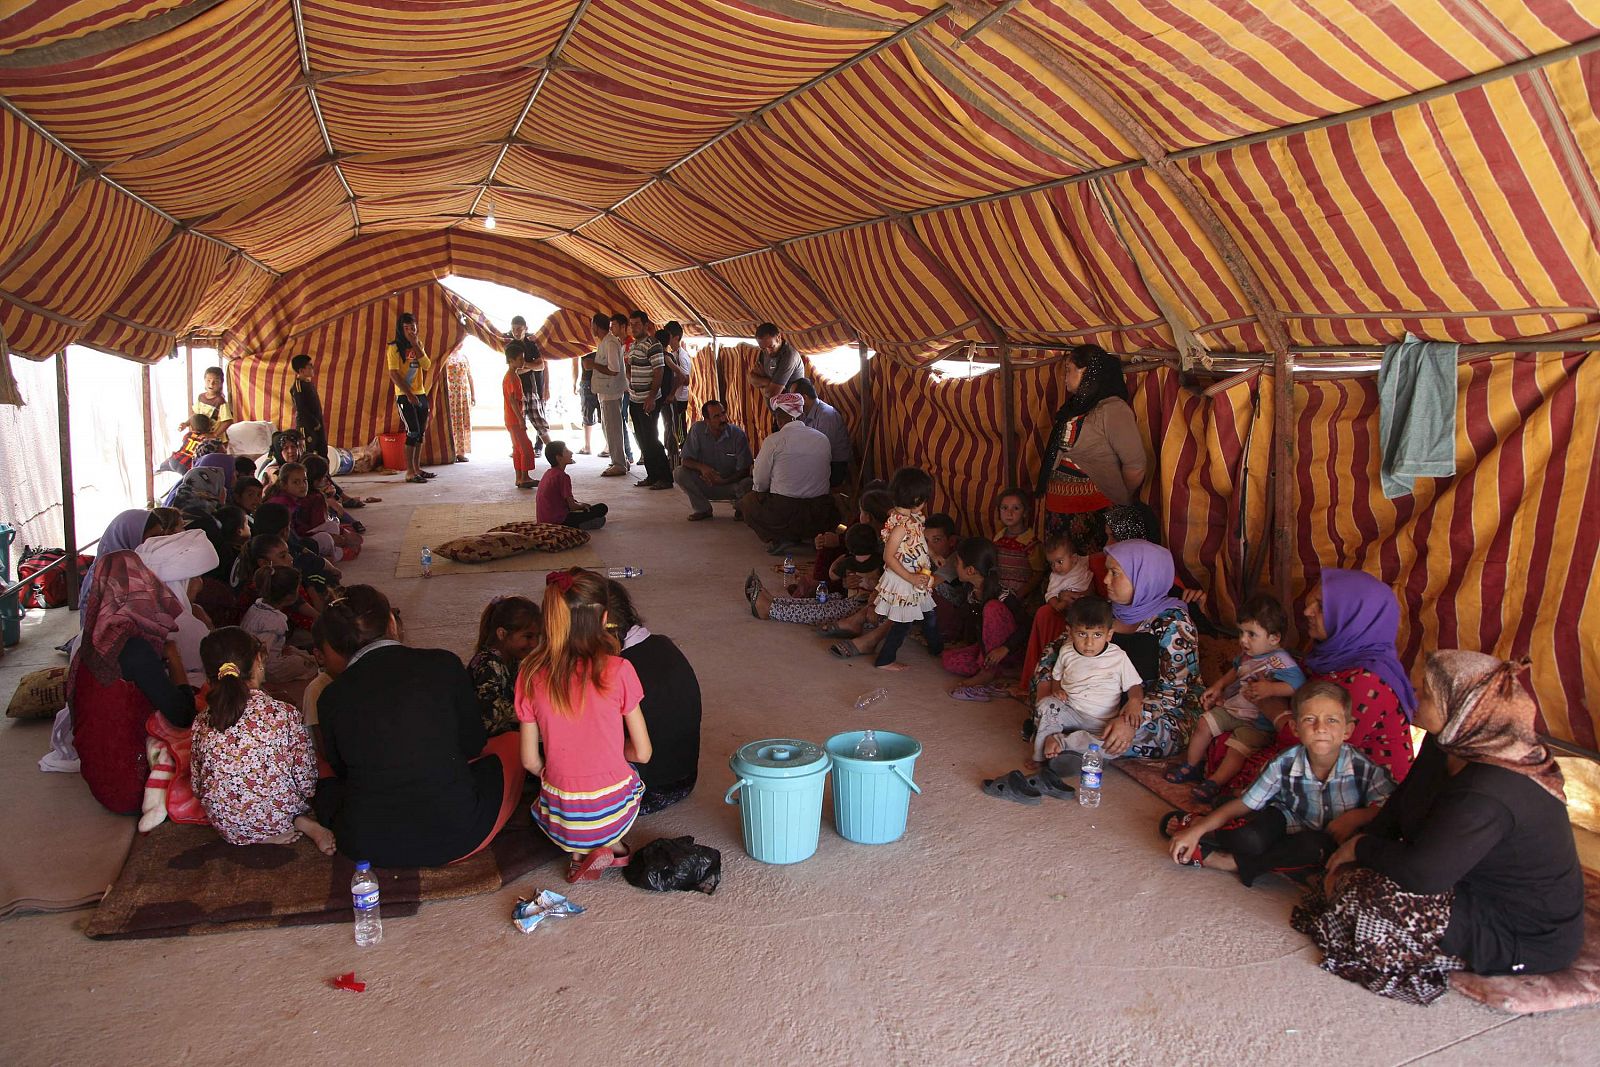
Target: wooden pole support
{"points": [[1008, 402], [1283, 479], [864, 383], [69, 511], [149, 438]]}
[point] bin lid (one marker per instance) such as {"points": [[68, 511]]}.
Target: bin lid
{"points": [[780, 757]]}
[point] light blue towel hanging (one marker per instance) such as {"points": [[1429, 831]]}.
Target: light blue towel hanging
{"points": [[1416, 413]]}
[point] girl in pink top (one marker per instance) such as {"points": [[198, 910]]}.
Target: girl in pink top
{"points": [[589, 794]]}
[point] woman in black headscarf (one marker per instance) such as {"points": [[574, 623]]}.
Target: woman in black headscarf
{"points": [[1095, 456]]}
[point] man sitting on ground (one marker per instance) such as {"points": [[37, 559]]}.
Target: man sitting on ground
{"points": [[789, 502], [715, 462], [779, 364], [825, 418]]}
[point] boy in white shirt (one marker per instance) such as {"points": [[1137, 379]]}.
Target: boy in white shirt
{"points": [[1091, 682]]}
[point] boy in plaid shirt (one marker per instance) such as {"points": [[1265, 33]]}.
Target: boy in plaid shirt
{"points": [[1306, 801]]}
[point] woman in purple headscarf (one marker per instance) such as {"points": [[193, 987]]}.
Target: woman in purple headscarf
{"points": [[1354, 620], [1155, 629]]}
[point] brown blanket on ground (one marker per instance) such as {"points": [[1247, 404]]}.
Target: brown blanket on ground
{"points": [[182, 880]]}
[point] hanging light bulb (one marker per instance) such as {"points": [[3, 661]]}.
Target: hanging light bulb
{"points": [[488, 215]]}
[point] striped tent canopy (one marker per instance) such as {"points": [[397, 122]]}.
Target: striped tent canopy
{"points": [[1220, 185]]}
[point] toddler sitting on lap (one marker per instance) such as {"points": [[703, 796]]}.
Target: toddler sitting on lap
{"points": [[1092, 680], [1308, 800], [1070, 577], [1262, 670]]}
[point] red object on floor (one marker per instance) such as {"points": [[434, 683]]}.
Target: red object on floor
{"points": [[393, 446], [348, 981]]}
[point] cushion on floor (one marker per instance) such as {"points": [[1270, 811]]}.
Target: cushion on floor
{"points": [[480, 548], [39, 695], [1576, 987], [183, 880], [547, 536]]}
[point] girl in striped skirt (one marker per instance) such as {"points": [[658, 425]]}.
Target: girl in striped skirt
{"points": [[581, 699]]}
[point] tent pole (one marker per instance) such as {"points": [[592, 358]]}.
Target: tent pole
{"points": [[1283, 478], [716, 367], [149, 438], [188, 386], [864, 382], [1008, 403], [69, 511]]}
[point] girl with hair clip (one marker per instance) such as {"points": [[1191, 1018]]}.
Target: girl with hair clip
{"points": [[253, 765], [903, 595], [507, 631], [288, 669], [579, 697]]}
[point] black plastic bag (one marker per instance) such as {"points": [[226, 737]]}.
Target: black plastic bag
{"points": [[675, 863]]}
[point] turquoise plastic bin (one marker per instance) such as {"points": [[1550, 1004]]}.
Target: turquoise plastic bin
{"points": [[871, 797], [781, 800]]}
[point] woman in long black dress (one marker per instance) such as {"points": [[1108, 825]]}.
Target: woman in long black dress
{"points": [[671, 704], [1471, 865]]}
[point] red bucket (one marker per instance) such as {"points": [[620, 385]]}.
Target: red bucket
{"points": [[394, 450]]}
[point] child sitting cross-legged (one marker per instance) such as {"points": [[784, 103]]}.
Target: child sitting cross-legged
{"points": [[554, 501], [1263, 669], [1092, 682], [288, 669], [1309, 798]]}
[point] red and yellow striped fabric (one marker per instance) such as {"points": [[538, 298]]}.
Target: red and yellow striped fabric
{"points": [[704, 383], [145, 320], [1505, 556], [352, 378]]}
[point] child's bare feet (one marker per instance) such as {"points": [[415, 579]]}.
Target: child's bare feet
{"points": [[1053, 746], [893, 667], [320, 835], [1031, 766]]}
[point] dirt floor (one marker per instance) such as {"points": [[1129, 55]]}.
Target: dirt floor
{"points": [[990, 933]]}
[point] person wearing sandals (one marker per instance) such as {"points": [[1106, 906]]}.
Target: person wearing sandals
{"points": [[1471, 864], [1263, 669], [580, 699], [411, 372], [1308, 800]]}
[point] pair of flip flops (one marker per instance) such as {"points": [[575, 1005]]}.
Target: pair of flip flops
{"points": [[1030, 789]]}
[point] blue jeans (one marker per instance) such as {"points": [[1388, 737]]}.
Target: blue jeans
{"points": [[897, 636]]}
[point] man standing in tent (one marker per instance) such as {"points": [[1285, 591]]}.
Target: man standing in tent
{"points": [[610, 385], [789, 503], [647, 363], [779, 364]]}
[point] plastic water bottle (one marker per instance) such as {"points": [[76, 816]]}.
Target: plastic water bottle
{"points": [[1089, 778], [822, 592], [427, 562], [788, 569], [867, 747], [624, 572], [364, 895]]}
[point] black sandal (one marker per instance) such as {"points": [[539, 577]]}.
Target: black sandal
{"points": [[1183, 772], [1051, 784], [1013, 787], [1207, 791]]}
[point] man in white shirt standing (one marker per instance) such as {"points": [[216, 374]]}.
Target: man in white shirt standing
{"points": [[609, 385], [789, 503], [647, 362]]}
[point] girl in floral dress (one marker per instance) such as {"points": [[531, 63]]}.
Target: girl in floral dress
{"points": [[902, 596], [253, 765]]}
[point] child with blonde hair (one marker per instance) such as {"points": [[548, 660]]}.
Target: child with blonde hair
{"points": [[580, 699]]}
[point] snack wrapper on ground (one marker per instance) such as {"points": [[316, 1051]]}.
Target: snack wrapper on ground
{"points": [[547, 905]]}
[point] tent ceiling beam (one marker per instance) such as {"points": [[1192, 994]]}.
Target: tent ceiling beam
{"points": [[95, 173], [533, 96], [100, 42], [860, 57], [316, 111]]}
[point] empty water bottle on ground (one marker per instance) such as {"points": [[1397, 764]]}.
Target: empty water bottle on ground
{"points": [[427, 562], [822, 592], [364, 895], [867, 747], [1089, 777], [624, 572]]}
